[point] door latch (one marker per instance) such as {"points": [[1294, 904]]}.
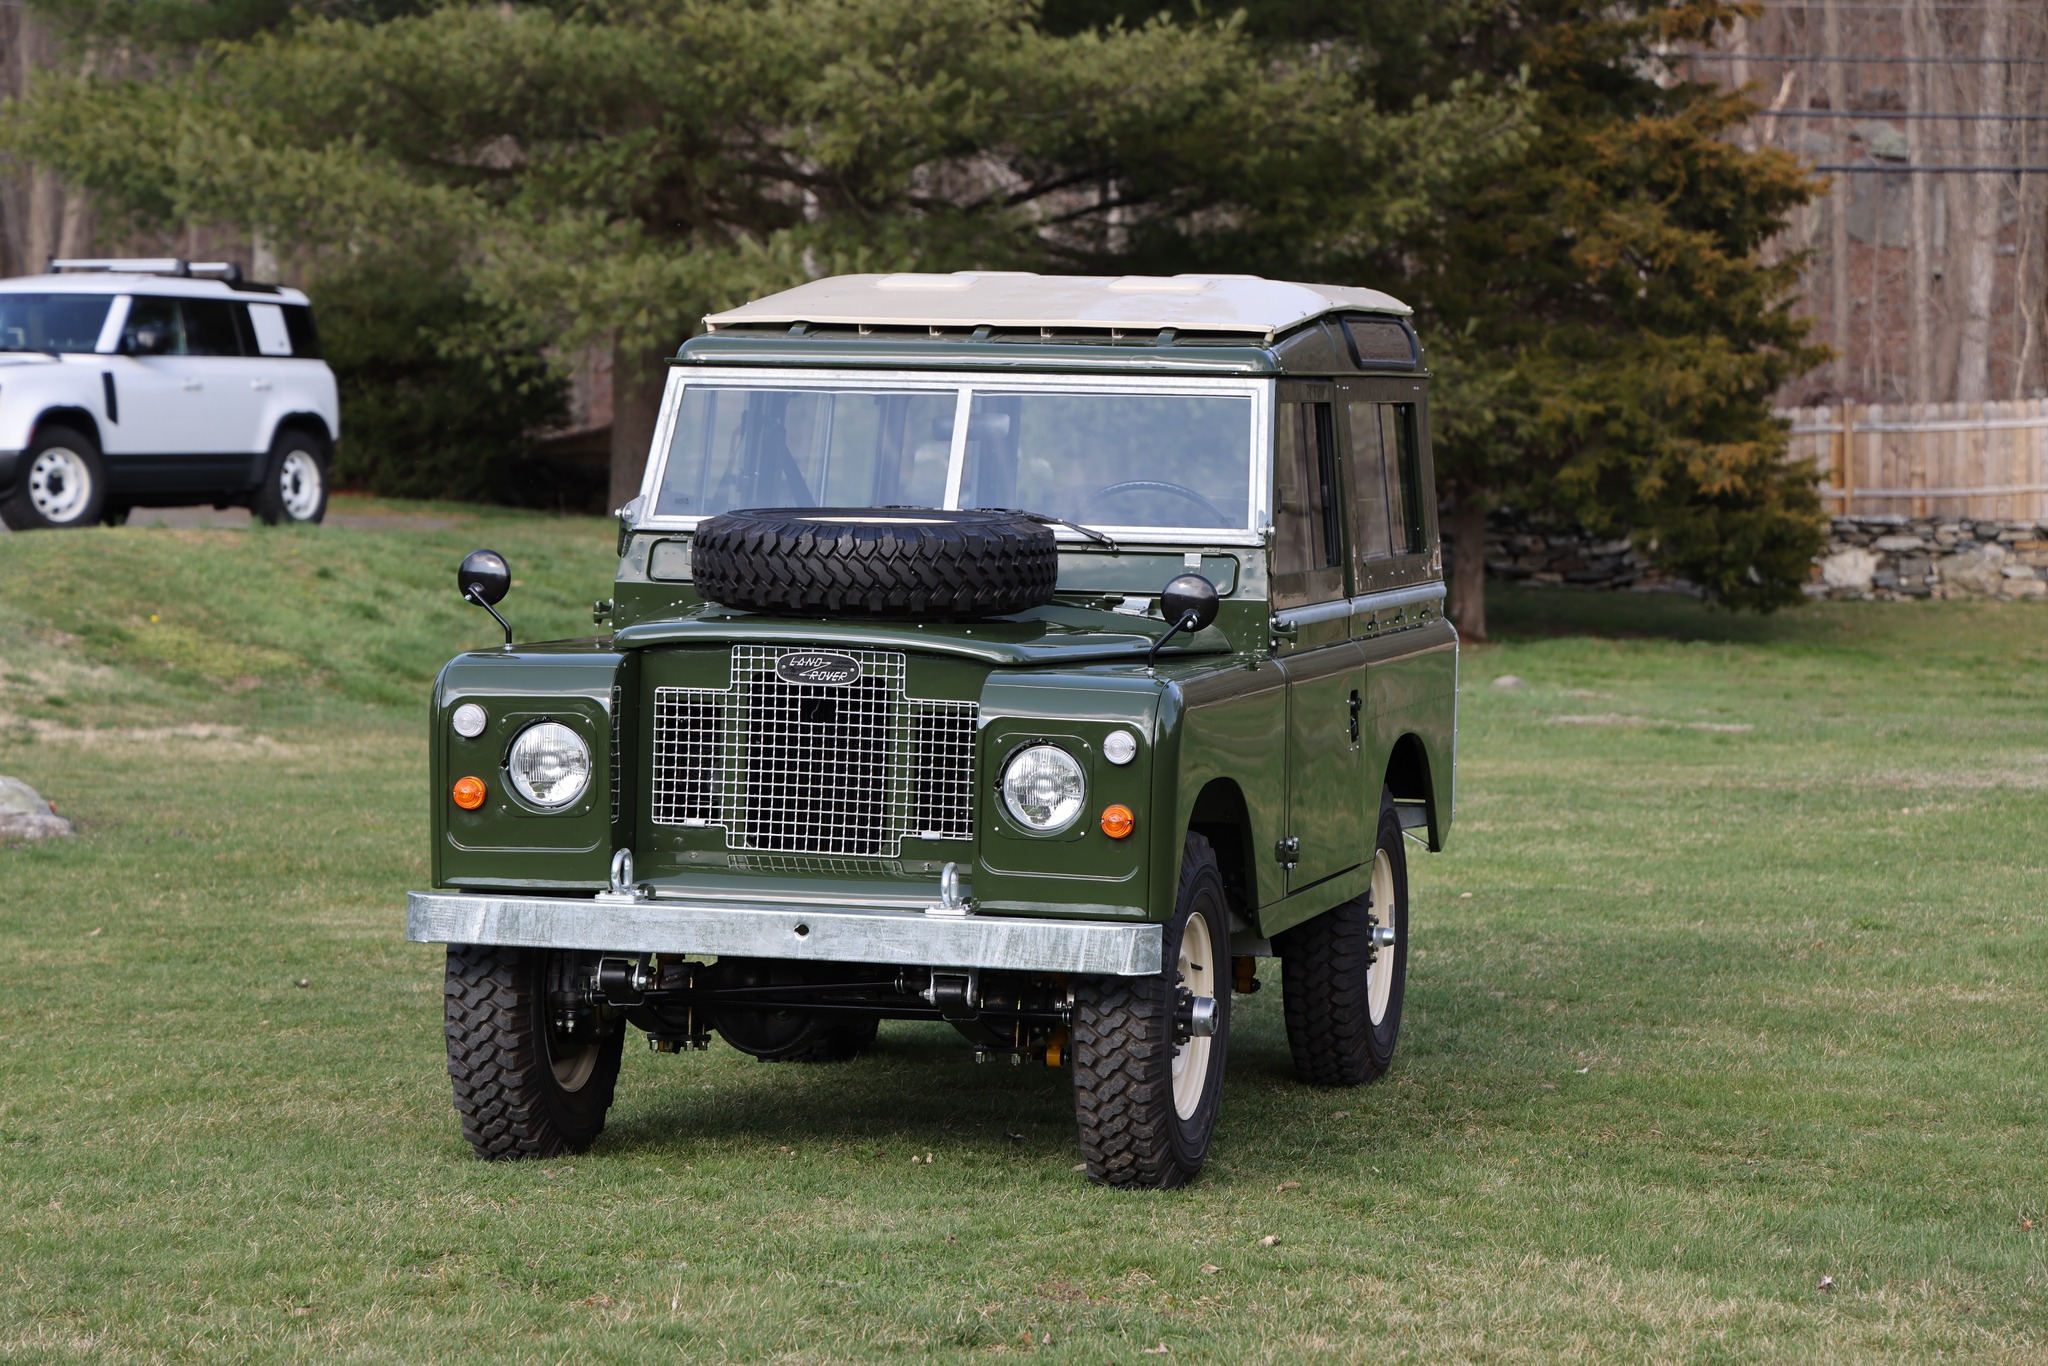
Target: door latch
{"points": [[1354, 715], [1288, 851]]}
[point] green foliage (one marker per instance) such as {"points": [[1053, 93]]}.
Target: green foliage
{"points": [[422, 419], [616, 168]]}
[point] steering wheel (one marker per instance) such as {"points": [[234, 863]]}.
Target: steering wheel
{"points": [[1222, 518]]}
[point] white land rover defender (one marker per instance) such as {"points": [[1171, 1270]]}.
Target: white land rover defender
{"points": [[152, 383]]}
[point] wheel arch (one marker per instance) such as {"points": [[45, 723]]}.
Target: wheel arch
{"points": [[69, 416], [1409, 782], [313, 425], [1221, 816]]}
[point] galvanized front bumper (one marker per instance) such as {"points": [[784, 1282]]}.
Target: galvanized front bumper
{"points": [[762, 929]]}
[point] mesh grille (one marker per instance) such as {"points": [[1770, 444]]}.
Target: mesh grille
{"points": [[814, 769], [689, 756]]}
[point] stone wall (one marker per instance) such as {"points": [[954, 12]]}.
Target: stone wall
{"points": [[1866, 557]]}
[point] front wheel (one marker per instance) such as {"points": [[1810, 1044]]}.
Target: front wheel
{"points": [[1342, 987], [63, 486], [1147, 1088], [532, 1078], [294, 488]]}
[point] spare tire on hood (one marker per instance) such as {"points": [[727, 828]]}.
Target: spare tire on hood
{"points": [[875, 562]]}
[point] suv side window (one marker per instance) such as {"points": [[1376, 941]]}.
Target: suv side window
{"points": [[1308, 554], [161, 316], [210, 328]]}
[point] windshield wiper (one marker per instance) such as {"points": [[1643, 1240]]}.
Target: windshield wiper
{"points": [[1090, 532]]}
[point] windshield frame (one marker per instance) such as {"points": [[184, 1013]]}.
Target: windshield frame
{"points": [[964, 384]]}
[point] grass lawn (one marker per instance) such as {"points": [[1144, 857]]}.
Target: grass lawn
{"points": [[1730, 988]]}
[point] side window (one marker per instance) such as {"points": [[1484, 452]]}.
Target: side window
{"points": [[298, 322], [266, 334], [1368, 463], [1386, 503], [162, 320], [1308, 563], [210, 328], [1404, 499]]}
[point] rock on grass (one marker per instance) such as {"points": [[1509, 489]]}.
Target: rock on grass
{"points": [[24, 815]]}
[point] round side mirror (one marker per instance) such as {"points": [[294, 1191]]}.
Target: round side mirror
{"points": [[485, 573], [1190, 595]]}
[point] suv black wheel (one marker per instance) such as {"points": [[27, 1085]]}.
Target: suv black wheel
{"points": [[1342, 991], [63, 482], [294, 487], [1146, 1104], [524, 1087]]}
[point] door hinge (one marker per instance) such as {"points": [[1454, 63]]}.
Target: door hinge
{"points": [[1355, 704], [1288, 851]]}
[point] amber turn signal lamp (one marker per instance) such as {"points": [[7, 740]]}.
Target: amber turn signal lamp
{"points": [[1117, 821], [469, 793]]}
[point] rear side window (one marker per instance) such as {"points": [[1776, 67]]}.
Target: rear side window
{"points": [[298, 323], [268, 334], [210, 328], [1379, 342], [1385, 475]]}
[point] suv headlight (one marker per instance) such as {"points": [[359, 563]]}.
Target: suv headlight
{"points": [[549, 765], [1044, 788]]}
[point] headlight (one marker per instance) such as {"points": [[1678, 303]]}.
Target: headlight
{"points": [[1043, 787], [550, 764]]}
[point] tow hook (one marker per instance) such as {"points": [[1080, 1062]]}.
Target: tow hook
{"points": [[1194, 1017]]}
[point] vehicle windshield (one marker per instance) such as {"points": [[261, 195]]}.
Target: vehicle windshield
{"points": [[52, 322], [1103, 458]]}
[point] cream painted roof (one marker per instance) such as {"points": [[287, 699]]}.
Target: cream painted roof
{"points": [[970, 298]]}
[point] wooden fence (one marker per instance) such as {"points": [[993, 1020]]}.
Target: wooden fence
{"points": [[1984, 461]]}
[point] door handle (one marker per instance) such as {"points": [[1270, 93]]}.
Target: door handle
{"points": [[1355, 704], [190, 386], [260, 385]]}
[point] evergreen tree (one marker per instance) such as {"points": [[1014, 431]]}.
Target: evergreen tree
{"points": [[616, 168]]}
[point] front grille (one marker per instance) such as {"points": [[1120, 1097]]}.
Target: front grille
{"points": [[811, 768]]}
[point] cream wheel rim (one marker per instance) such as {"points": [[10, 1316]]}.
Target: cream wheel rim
{"points": [[1197, 967], [59, 484], [1379, 978], [298, 480], [574, 1070]]}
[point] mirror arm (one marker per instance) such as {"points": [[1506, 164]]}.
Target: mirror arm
{"points": [[475, 594], [1186, 623]]}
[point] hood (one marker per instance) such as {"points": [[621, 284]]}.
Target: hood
{"points": [[1057, 634]]}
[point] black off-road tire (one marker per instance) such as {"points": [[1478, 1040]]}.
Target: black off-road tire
{"points": [[1325, 977], [83, 454], [875, 562], [294, 487], [1132, 1134], [499, 1039]]}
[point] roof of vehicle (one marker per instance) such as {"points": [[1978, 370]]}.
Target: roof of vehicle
{"points": [[1020, 299], [112, 282]]}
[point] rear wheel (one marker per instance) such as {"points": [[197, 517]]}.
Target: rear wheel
{"points": [[1341, 990], [531, 1079], [294, 488], [1146, 1089], [63, 483]]}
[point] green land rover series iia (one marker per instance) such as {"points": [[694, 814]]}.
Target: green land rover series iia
{"points": [[1029, 653]]}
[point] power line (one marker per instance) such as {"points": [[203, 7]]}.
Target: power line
{"points": [[1895, 114], [1884, 169], [1834, 57]]}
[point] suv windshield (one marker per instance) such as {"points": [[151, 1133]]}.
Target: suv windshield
{"points": [[1143, 461], [52, 322]]}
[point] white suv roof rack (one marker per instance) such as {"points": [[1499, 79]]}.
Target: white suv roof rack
{"points": [[148, 265]]}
